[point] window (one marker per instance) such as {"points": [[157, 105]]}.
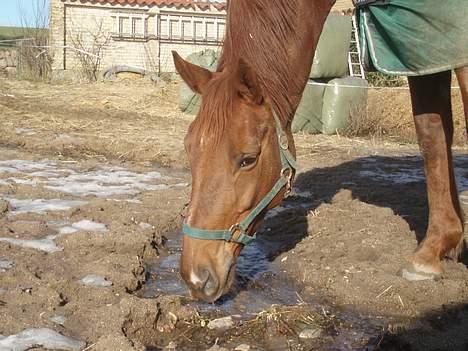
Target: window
{"points": [[199, 30], [187, 29], [131, 25], [211, 34], [191, 28], [175, 32]]}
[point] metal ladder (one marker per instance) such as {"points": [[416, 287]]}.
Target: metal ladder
{"points": [[354, 55]]}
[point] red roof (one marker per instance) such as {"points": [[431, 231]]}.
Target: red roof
{"points": [[203, 4]]}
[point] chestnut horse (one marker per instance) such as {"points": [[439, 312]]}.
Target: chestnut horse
{"points": [[241, 149]]}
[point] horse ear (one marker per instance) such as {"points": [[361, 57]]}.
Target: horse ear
{"points": [[194, 76], [249, 80]]}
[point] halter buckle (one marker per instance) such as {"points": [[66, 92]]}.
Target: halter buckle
{"points": [[287, 174], [233, 229]]}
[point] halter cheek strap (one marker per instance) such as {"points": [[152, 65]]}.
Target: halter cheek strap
{"points": [[288, 167]]}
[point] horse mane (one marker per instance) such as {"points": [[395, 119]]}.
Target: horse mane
{"points": [[258, 33]]}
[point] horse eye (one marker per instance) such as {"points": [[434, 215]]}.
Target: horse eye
{"points": [[248, 161]]}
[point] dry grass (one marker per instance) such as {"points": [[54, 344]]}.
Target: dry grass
{"points": [[389, 117], [127, 120]]}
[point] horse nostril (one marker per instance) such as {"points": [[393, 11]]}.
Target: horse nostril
{"points": [[211, 285]]}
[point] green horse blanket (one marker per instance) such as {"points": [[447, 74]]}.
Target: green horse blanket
{"points": [[413, 37]]}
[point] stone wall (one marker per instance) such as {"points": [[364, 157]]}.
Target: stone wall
{"points": [[8, 62]]}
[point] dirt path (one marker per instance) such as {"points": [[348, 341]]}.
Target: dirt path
{"points": [[83, 189]]}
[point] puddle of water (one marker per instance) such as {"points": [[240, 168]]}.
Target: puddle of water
{"points": [[258, 283]]}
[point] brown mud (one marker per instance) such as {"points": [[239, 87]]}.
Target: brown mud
{"points": [[326, 260]]}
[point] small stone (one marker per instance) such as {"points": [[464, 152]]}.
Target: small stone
{"points": [[311, 333], [3, 291], [5, 264], [221, 323], [242, 347], [4, 206], [145, 225], [95, 280], [60, 320], [171, 346], [216, 347]]}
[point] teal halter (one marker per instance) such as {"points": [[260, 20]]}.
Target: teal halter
{"points": [[288, 167]]}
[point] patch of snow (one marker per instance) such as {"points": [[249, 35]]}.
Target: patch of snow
{"points": [[88, 225], [67, 230], [46, 245], [42, 205], [16, 166]]}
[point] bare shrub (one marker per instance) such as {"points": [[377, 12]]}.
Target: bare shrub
{"points": [[363, 124], [34, 61], [89, 47], [378, 79]]}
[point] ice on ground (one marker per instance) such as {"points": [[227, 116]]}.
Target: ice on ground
{"points": [[95, 280], [46, 245], [25, 131], [67, 230], [100, 182], [106, 182], [84, 224], [88, 225], [3, 291], [9, 181], [43, 337], [5, 264], [19, 166], [42, 205]]}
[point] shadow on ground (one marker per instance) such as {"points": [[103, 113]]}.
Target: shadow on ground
{"points": [[397, 183], [441, 330]]}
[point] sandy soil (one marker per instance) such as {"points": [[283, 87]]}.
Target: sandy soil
{"points": [[358, 210]]}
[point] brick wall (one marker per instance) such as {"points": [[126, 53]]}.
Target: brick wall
{"points": [[8, 62], [56, 32], [84, 26]]}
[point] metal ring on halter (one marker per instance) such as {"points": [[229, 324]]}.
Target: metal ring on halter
{"points": [[283, 141], [233, 229]]}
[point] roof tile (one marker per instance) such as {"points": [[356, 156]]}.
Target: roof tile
{"points": [[203, 4]]}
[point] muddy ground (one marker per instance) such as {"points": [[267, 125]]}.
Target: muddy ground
{"points": [[93, 180]]}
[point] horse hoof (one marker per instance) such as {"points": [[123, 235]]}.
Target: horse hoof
{"points": [[414, 273]]}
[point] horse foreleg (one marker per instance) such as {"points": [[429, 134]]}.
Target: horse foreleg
{"points": [[430, 96], [462, 77]]}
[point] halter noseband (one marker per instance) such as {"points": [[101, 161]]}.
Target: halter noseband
{"points": [[288, 167]]}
